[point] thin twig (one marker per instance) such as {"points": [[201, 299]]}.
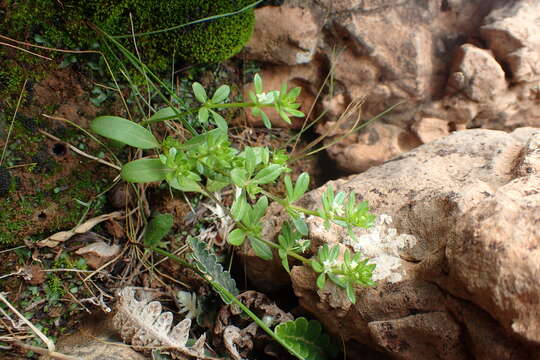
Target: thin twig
{"points": [[26, 51], [12, 121], [42, 351], [45, 339]]}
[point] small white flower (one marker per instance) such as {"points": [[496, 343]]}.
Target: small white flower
{"points": [[268, 98]]}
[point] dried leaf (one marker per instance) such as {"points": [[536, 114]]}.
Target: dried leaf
{"points": [[55, 239], [98, 253], [143, 324]]}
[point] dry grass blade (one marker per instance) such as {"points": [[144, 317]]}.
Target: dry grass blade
{"points": [[143, 324]]}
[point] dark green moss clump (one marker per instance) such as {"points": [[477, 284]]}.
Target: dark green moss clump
{"points": [[66, 24]]}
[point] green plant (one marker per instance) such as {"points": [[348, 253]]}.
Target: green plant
{"points": [[207, 163]]}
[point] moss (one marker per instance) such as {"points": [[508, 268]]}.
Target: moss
{"points": [[64, 24]]}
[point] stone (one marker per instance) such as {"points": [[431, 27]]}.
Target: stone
{"points": [[471, 64], [292, 40], [461, 259], [428, 129]]}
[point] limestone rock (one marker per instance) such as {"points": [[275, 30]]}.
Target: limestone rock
{"points": [[292, 40], [464, 259], [471, 64]]}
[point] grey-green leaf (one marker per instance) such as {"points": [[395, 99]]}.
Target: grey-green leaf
{"points": [[200, 93], [144, 170], [221, 94], [124, 131]]}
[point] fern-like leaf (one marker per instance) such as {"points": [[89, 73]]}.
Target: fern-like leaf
{"points": [[143, 324], [307, 339], [208, 264]]}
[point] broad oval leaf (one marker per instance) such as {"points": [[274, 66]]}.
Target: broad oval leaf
{"points": [[221, 94], [236, 237], [199, 92], [144, 170], [124, 131], [261, 249], [158, 227]]}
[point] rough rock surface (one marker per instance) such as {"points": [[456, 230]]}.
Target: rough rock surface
{"points": [[469, 63], [461, 281]]}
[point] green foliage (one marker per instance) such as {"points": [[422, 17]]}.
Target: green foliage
{"points": [[307, 339], [159, 226], [65, 24], [124, 131], [207, 263]]}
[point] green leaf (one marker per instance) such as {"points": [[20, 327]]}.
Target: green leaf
{"points": [[221, 94], [259, 209], [220, 121], [239, 177], [251, 160], [200, 93], [165, 113], [158, 227], [261, 249], [124, 131], [301, 226], [268, 174], [185, 184], [239, 208], [266, 121], [307, 339], [144, 170], [207, 263], [257, 81], [321, 281], [236, 237], [203, 115], [301, 186]]}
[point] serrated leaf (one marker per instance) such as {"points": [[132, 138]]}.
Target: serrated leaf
{"points": [[124, 131], [307, 339], [221, 94], [144, 170], [200, 93], [158, 227], [208, 264]]}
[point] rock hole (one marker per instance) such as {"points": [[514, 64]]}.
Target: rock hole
{"points": [[59, 149], [42, 216]]}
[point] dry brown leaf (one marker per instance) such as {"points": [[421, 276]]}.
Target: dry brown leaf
{"points": [[98, 253], [142, 324], [55, 239]]}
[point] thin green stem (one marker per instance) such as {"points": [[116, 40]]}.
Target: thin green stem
{"points": [[254, 317]]}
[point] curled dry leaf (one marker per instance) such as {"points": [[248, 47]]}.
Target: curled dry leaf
{"points": [[55, 239], [143, 324]]}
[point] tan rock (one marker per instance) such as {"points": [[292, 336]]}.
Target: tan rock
{"points": [[477, 74], [463, 260], [373, 145], [429, 129], [293, 39]]}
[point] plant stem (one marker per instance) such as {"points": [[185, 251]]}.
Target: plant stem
{"points": [[254, 317]]}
